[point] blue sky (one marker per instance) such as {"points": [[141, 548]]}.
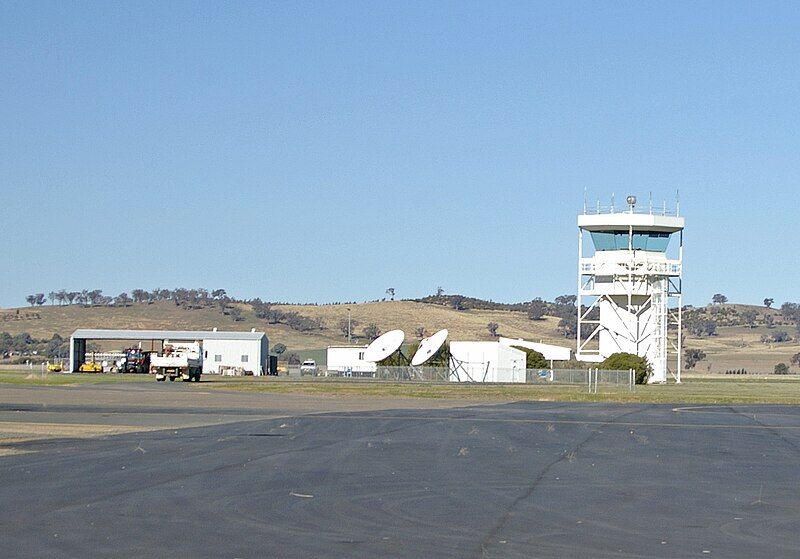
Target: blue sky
{"points": [[326, 151]]}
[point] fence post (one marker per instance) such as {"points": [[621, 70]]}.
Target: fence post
{"points": [[589, 376]]}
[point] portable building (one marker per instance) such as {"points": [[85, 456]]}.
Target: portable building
{"points": [[486, 362], [342, 359]]}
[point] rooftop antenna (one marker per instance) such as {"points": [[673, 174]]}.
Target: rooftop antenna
{"points": [[584, 199], [631, 200], [612, 203], [677, 202], [651, 202]]}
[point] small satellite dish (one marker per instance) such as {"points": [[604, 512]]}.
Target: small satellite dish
{"points": [[384, 346], [428, 347]]}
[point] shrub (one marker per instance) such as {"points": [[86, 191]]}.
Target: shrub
{"points": [[625, 361], [781, 369], [533, 359]]}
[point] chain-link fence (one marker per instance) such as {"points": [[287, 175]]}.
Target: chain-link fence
{"points": [[590, 378]]}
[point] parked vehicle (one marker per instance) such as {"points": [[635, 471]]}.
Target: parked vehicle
{"points": [[308, 367], [135, 361], [91, 366], [184, 360]]}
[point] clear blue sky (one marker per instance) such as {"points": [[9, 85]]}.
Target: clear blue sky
{"points": [[326, 151]]}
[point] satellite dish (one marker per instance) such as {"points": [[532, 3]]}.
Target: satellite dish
{"points": [[428, 347], [384, 346]]}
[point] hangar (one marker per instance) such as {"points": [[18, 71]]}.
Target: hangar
{"points": [[248, 350]]}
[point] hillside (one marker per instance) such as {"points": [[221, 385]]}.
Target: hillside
{"points": [[734, 345], [44, 321]]}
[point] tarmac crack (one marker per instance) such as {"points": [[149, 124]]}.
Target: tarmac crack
{"points": [[492, 535]]}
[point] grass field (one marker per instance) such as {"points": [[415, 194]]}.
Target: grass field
{"points": [[694, 390]]}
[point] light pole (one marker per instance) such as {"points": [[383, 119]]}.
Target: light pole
{"points": [[348, 326]]}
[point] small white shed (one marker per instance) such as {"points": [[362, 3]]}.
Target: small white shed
{"points": [[486, 362]]}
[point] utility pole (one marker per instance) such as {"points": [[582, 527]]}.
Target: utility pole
{"points": [[348, 327]]}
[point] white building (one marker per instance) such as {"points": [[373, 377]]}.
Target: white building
{"points": [[629, 287], [342, 359], [248, 350], [486, 362]]}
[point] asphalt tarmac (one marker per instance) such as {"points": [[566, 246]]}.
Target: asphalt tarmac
{"points": [[277, 476]]}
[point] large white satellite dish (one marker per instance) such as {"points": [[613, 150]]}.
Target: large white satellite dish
{"points": [[384, 346], [428, 347]]}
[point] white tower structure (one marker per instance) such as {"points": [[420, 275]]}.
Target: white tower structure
{"points": [[629, 289]]}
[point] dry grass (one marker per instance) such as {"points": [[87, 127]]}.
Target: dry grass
{"points": [[388, 315]]}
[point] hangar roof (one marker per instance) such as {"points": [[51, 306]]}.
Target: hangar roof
{"points": [[100, 334]]}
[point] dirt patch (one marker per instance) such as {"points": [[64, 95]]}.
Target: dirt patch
{"points": [[72, 430]]}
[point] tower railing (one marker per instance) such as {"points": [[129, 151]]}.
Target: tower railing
{"points": [[641, 210], [637, 267]]}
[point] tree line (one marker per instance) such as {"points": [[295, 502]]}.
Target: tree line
{"points": [[25, 344], [181, 296]]}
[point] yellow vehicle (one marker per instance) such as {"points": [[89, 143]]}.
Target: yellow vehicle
{"points": [[55, 367], [91, 366]]}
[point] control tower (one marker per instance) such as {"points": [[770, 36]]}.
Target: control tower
{"points": [[629, 285]]}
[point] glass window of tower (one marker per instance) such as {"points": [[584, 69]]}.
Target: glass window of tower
{"points": [[655, 241]]}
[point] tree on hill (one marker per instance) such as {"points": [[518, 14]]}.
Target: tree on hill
{"points": [[278, 348], [719, 299], [692, 357], [537, 309], [371, 331], [568, 326], [390, 293], [457, 302], [439, 291], [419, 332], [31, 299], [346, 327], [749, 318], [492, 328], [139, 295], [624, 361], [769, 321], [122, 300], [781, 369], [795, 360], [768, 302]]}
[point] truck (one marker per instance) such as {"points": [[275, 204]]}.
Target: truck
{"points": [[135, 361], [184, 360]]}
